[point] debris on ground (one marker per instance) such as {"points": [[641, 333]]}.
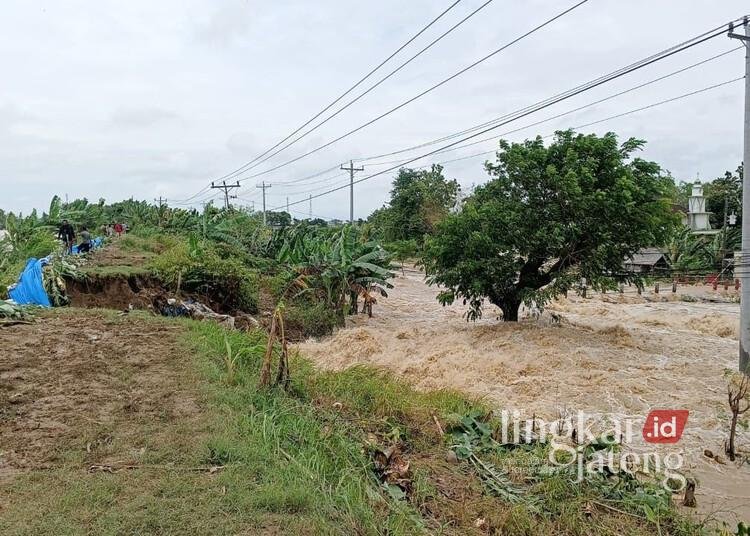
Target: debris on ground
{"points": [[12, 313], [393, 471], [195, 310]]}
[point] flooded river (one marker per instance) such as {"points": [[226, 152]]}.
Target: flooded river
{"points": [[613, 355]]}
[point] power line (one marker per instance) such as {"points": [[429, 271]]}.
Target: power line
{"points": [[423, 93], [719, 30], [255, 163], [211, 196], [511, 114], [202, 191], [319, 180], [594, 103], [552, 100], [549, 102], [345, 93], [484, 153], [317, 188], [303, 179], [609, 118], [598, 121], [225, 188]]}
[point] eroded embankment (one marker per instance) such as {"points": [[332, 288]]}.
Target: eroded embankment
{"points": [[117, 292], [615, 355]]}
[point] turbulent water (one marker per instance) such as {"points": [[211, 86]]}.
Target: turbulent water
{"points": [[613, 355]]}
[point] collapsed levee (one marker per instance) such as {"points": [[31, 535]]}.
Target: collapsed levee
{"points": [[116, 292]]}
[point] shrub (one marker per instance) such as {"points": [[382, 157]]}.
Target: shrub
{"points": [[146, 240], [199, 268], [14, 254], [9, 273], [310, 320]]}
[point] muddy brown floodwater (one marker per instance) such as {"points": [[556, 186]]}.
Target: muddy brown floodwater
{"points": [[614, 356]]}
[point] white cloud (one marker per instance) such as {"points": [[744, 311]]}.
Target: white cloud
{"points": [[140, 117], [119, 99]]}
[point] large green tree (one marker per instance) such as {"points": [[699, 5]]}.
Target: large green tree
{"points": [[724, 192], [420, 199], [549, 216]]}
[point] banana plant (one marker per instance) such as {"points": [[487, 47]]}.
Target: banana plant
{"points": [[337, 263]]}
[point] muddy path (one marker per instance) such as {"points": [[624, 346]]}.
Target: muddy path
{"points": [[110, 389], [613, 355]]}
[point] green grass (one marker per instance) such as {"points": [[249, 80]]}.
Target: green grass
{"points": [[151, 242], [299, 462], [313, 445], [114, 271]]}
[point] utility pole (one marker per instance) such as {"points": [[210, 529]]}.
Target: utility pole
{"points": [[726, 210], [287, 204], [309, 198], [351, 169], [264, 186], [205, 204], [226, 187], [744, 264], [162, 205]]}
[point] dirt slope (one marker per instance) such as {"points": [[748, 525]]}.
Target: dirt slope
{"points": [[92, 382], [612, 355]]}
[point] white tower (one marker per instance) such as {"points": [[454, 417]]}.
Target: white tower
{"points": [[697, 215]]}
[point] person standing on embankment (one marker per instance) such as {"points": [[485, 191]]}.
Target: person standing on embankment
{"points": [[85, 245], [67, 235]]}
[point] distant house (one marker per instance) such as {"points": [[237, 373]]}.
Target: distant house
{"points": [[646, 261]]}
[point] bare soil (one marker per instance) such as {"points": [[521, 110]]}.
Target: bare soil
{"points": [[116, 292], [92, 383], [612, 356]]}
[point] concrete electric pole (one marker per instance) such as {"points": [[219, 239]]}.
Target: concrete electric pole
{"points": [[744, 264], [226, 187], [264, 186], [351, 169], [162, 205]]}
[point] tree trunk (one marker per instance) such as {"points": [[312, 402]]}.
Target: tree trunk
{"points": [[732, 434], [510, 307]]}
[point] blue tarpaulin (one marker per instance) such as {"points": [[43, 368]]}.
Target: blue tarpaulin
{"points": [[30, 287]]}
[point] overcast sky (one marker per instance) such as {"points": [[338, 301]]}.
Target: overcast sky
{"points": [[145, 99]]}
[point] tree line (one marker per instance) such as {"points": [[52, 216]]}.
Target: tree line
{"points": [[548, 217]]}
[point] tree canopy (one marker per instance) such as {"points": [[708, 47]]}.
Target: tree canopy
{"points": [[724, 189], [549, 216], [420, 199]]}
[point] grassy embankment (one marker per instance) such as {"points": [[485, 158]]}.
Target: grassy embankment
{"points": [[301, 462]]}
